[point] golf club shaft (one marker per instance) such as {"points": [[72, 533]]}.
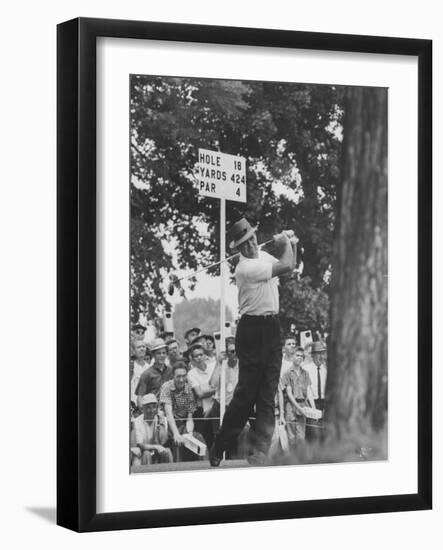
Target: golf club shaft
{"points": [[215, 264]]}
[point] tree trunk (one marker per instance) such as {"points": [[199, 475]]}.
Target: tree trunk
{"points": [[357, 352]]}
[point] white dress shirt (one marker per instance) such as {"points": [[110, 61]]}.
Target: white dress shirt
{"points": [[312, 369]]}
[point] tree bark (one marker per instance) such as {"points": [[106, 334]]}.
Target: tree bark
{"points": [[356, 390]]}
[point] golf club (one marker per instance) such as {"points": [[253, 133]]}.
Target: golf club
{"points": [[175, 280]]}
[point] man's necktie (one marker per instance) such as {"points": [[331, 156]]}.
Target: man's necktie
{"points": [[318, 383]]}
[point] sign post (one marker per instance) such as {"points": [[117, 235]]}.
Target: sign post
{"points": [[222, 176], [223, 267]]}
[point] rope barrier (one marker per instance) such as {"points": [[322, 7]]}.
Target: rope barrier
{"points": [[309, 421]]}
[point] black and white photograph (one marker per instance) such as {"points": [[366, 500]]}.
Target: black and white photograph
{"points": [[258, 297], [222, 254]]}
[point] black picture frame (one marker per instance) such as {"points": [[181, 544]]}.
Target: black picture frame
{"points": [[76, 279]]}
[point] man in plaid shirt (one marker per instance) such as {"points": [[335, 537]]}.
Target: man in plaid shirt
{"points": [[179, 404]]}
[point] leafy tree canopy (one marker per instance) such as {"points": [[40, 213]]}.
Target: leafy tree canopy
{"points": [[290, 135]]}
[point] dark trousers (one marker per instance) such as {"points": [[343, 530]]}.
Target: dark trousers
{"points": [[315, 428], [236, 447], [258, 348], [320, 404]]}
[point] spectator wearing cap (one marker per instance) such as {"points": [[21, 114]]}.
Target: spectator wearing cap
{"points": [[138, 367], [151, 434], [138, 331], [318, 372], [190, 335], [168, 337], [153, 378], [200, 380], [296, 384], [179, 403]]}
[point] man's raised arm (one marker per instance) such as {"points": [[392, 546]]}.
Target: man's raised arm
{"points": [[285, 263]]}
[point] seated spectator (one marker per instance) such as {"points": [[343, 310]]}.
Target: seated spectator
{"points": [[155, 376], [134, 451], [199, 378], [179, 404], [296, 383], [138, 366], [151, 434]]}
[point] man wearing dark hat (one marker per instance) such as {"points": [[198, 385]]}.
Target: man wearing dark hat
{"points": [[155, 376], [258, 341], [138, 332], [190, 335]]}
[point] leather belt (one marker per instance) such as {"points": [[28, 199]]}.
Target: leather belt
{"points": [[266, 316]]}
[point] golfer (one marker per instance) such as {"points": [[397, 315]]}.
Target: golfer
{"points": [[257, 342]]}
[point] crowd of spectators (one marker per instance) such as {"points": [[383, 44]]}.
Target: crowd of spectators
{"points": [[176, 395]]}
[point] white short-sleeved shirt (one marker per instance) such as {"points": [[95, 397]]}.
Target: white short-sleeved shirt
{"points": [[210, 363], [286, 364], [197, 377], [257, 289]]}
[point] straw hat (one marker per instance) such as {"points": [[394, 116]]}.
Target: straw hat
{"points": [[157, 344], [318, 347], [148, 398], [240, 232]]}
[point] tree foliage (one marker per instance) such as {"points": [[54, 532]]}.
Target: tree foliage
{"points": [[290, 135], [304, 305]]}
